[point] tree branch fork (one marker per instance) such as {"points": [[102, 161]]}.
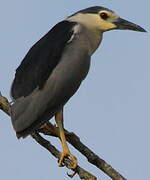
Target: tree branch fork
{"points": [[51, 130]]}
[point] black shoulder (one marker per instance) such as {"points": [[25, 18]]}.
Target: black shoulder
{"points": [[41, 59]]}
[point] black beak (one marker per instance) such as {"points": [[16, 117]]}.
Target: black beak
{"points": [[123, 24]]}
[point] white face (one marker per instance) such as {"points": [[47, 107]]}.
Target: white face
{"points": [[103, 21], [107, 19]]}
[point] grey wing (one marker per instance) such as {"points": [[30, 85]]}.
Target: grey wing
{"points": [[30, 112]]}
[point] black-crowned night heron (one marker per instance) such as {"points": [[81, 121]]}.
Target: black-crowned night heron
{"points": [[54, 68]]}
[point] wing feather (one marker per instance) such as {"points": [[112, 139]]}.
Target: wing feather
{"points": [[32, 109], [41, 59]]}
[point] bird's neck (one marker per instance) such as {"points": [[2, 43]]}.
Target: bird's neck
{"points": [[95, 38]]}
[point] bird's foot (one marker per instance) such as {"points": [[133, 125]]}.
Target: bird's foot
{"points": [[72, 158]]}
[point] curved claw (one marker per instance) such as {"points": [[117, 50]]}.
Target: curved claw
{"points": [[72, 158], [72, 175]]}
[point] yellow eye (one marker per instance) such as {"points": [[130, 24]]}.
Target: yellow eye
{"points": [[104, 15]]}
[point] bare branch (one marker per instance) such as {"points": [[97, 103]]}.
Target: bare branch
{"points": [[74, 140], [4, 104], [83, 174], [94, 159]]}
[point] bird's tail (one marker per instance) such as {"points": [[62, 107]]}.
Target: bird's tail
{"points": [[28, 115], [20, 117]]}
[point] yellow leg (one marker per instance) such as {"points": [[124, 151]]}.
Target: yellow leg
{"points": [[66, 151]]}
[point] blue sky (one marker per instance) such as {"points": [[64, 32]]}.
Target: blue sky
{"points": [[110, 112]]}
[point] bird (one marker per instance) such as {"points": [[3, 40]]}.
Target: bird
{"points": [[54, 68]]}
